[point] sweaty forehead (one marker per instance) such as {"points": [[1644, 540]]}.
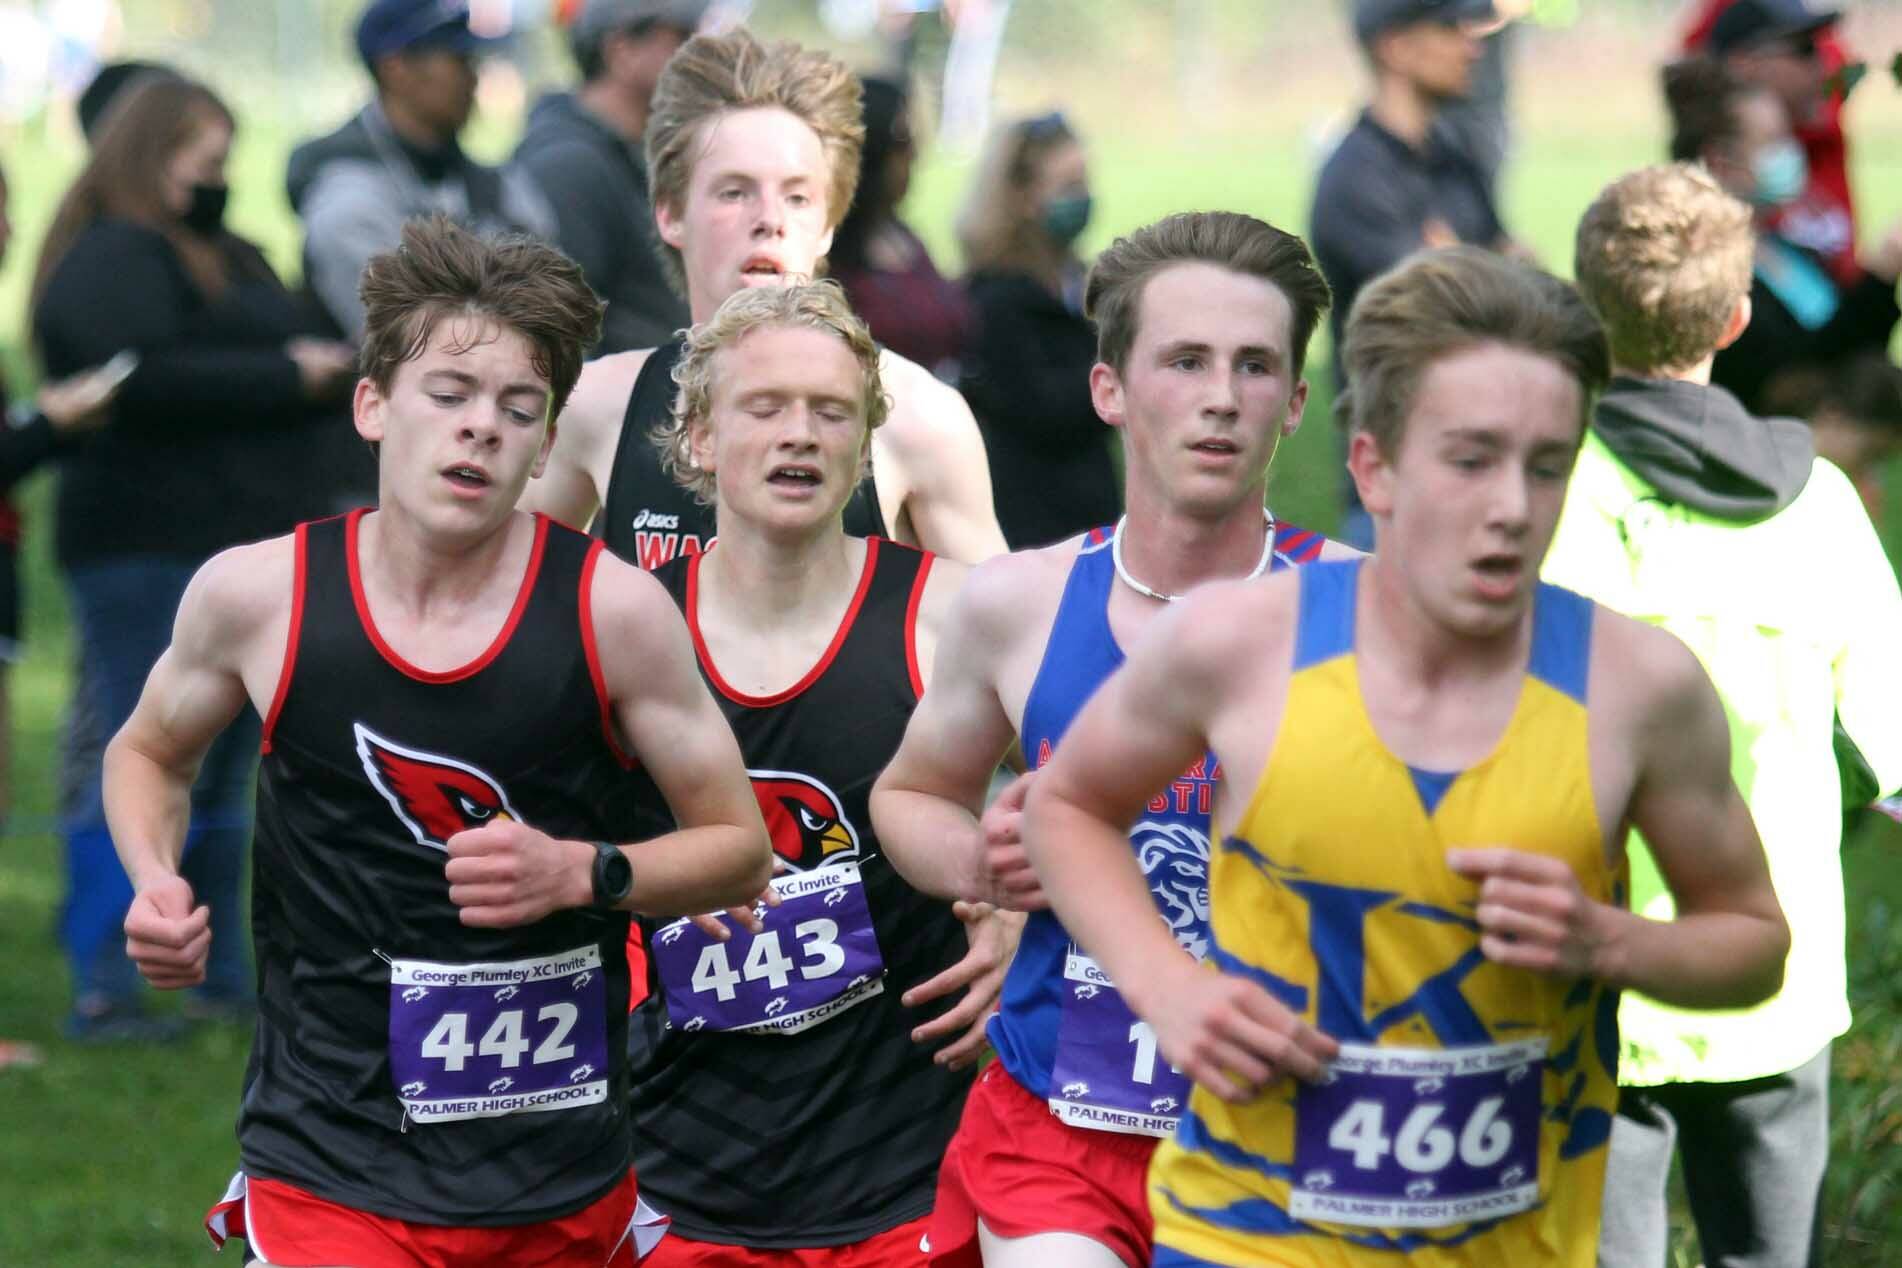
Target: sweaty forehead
{"points": [[1203, 303], [478, 344], [761, 141], [796, 359], [1514, 395]]}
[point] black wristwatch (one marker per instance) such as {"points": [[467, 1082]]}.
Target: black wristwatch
{"points": [[613, 875]]}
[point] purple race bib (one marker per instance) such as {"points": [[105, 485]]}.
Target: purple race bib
{"points": [[816, 957], [1420, 1137], [484, 1040], [1108, 1072]]}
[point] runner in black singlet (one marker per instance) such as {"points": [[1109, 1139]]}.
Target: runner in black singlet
{"points": [[781, 1102], [455, 697]]}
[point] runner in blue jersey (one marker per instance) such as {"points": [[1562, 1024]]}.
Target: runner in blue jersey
{"points": [[1202, 322]]}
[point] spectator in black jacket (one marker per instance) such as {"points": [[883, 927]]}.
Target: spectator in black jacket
{"points": [[583, 150], [1028, 376], [230, 428], [1802, 315]]}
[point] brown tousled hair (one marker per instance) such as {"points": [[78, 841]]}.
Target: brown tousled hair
{"points": [[442, 270], [1437, 304], [1663, 255], [713, 74], [141, 132], [1242, 244]]}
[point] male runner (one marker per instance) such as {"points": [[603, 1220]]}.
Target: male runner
{"points": [[797, 1022], [753, 155], [454, 695], [1202, 325], [1408, 1051]]}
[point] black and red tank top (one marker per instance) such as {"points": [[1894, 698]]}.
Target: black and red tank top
{"points": [[778, 1098], [646, 518], [405, 1064]]}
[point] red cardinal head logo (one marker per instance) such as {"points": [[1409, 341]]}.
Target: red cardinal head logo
{"points": [[804, 819], [435, 796]]}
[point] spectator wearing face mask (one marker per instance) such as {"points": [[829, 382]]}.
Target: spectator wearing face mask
{"points": [[1028, 376], [1796, 50], [232, 427], [1802, 315]]}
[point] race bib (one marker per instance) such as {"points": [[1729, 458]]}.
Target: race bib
{"points": [[1420, 1137], [484, 1040], [1108, 1073], [816, 957]]}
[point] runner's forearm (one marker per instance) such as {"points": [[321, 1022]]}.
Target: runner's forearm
{"points": [[1701, 960], [1098, 891], [697, 870], [148, 810], [934, 842]]}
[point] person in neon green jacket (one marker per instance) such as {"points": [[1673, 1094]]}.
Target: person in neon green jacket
{"points": [[1727, 530]]}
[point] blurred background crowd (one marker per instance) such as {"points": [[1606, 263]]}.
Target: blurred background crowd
{"points": [[198, 183]]}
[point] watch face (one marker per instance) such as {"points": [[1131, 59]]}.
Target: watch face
{"points": [[617, 876]]}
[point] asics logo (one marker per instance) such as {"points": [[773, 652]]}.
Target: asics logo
{"points": [[654, 519]]}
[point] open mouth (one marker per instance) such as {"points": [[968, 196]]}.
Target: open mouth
{"points": [[794, 476], [464, 476], [1499, 573], [761, 266]]}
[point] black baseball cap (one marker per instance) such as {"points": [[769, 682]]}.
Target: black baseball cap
{"points": [[1371, 17], [1750, 22], [393, 26]]}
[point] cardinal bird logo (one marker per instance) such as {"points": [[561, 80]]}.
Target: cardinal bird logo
{"points": [[803, 817], [435, 796]]}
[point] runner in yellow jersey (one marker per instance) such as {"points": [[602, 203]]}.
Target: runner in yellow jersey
{"points": [[1408, 1050]]}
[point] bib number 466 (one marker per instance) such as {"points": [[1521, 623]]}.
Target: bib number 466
{"points": [[1423, 1143]]}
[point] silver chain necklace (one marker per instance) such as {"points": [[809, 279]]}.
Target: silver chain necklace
{"points": [[1116, 557]]}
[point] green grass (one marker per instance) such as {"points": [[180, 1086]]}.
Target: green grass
{"points": [[109, 1157]]}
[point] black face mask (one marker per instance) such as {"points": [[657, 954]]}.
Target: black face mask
{"points": [[206, 214]]}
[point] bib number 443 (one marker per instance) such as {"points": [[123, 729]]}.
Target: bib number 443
{"points": [[817, 943]]}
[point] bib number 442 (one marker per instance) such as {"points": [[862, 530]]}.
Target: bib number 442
{"points": [[448, 1040], [1423, 1144]]}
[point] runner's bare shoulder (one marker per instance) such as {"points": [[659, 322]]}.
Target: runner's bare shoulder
{"points": [[238, 595]]}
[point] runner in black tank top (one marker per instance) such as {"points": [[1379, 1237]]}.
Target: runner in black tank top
{"points": [[823, 1124], [648, 519], [354, 1091]]}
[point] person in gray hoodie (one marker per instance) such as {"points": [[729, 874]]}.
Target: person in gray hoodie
{"points": [[1689, 512], [582, 149], [398, 158]]}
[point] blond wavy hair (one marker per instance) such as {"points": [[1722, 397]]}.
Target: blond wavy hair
{"points": [[817, 306], [1663, 255], [714, 74]]}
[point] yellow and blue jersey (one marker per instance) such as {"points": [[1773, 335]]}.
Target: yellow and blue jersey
{"points": [[1467, 1116]]}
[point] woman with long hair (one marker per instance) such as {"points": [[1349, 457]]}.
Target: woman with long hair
{"points": [[885, 269], [1028, 376], [230, 428]]}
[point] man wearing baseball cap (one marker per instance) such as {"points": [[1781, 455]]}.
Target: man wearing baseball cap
{"points": [[582, 149], [398, 157], [1393, 185]]}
